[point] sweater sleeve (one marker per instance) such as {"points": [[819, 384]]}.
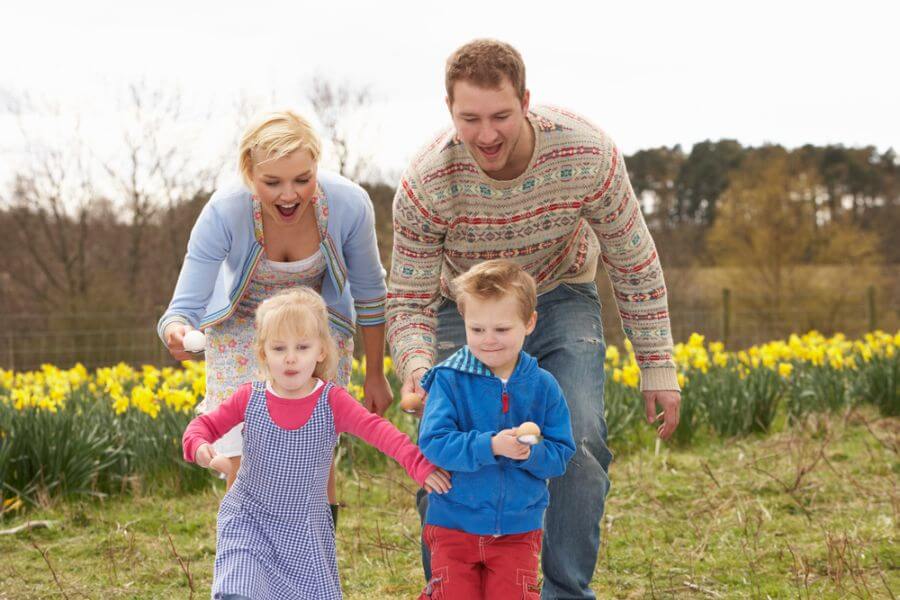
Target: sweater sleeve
{"points": [[205, 429], [549, 457], [414, 293], [630, 259], [441, 439], [350, 416], [208, 246], [364, 270]]}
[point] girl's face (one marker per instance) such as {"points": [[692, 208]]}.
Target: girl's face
{"points": [[286, 186], [291, 360]]}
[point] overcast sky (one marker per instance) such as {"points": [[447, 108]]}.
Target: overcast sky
{"points": [[649, 73]]}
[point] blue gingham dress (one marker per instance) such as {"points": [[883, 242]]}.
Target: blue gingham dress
{"points": [[274, 534]]}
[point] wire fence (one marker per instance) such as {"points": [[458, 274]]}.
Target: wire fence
{"points": [[99, 339]]}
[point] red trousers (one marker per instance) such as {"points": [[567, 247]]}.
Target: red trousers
{"points": [[466, 566]]}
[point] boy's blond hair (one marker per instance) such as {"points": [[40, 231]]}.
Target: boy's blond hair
{"points": [[274, 135], [495, 279], [485, 63], [299, 311]]}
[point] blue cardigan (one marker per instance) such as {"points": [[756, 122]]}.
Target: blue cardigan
{"points": [[492, 495], [226, 245]]}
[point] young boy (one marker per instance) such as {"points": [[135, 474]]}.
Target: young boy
{"points": [[485, 533]]}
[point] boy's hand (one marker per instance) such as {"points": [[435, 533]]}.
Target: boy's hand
{"points": [[438, 482], [506, 444], [204, 455]]}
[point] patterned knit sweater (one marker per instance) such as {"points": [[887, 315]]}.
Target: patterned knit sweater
{"points": [[571, 208]]}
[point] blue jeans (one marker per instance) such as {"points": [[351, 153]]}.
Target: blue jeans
{"points": [[568, 342]]}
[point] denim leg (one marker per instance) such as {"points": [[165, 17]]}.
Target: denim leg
{"points": [[451, 336], [568, 342]]}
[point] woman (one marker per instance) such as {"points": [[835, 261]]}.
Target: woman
{"points": [[289, 224]]}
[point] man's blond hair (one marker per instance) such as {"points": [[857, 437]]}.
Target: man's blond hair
{"points": [[485, 62], [495, 279], [273, 135], [300, 311]]}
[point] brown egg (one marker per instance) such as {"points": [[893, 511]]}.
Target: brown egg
{"points": [[528, 433], [411, 403]]}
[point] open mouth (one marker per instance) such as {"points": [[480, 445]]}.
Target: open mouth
{"points": [[287, 210], [491, 151]]}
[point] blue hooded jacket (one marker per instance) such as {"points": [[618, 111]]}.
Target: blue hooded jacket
{"points": [[467, 405]]}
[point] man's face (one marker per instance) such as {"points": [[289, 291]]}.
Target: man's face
{"points": [[491, 123]]}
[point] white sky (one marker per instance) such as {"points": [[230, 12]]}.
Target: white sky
{"points": [[650, 73]]}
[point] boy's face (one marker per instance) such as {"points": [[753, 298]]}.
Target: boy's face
{"points": [[291, 361], [495, 332]]}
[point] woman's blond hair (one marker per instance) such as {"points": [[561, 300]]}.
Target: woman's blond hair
{"points": [[274, 135], [302, 312]]}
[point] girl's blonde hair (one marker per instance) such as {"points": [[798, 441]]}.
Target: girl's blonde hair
{"points": [[300, 311], [274, 135]]}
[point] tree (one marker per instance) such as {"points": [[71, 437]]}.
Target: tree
{"points": [[335, 105]]}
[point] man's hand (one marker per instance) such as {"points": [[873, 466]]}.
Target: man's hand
{"points": [[413, 385], [670, 403], [377, 393], [506, 444], [438, 482]]}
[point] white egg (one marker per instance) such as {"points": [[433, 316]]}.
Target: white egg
{"points": [[194, 341], [530, 440]]}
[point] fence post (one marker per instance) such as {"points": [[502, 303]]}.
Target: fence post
{"points": [[726, 315], [873, 320]]}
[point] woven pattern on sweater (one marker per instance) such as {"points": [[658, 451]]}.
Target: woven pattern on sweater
{"points": [[572, 208]]}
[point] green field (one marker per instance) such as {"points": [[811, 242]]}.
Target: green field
{"points": [[810, 512]]}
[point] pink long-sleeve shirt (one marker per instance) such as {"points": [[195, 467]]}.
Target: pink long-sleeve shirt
{"points": [[293, 413]]}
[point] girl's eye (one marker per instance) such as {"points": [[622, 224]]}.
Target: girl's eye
{"points": [[278, 348], [271, 183], [303, 181]]}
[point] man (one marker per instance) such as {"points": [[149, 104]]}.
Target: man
{"points": [[548, 190]]}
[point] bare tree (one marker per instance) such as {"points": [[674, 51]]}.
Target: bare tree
{"points": [[49, 209], [335, 104]]}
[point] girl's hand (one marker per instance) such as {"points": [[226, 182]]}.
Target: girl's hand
{"points": [[204, 455], [174, 336], [506, 444], [378, 394], [438, 482]]}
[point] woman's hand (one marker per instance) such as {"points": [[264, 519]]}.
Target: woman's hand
{"points": [[377, 393], [174, 336], [438, 482]]}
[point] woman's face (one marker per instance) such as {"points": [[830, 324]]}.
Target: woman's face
{"points": [[286, 186]]}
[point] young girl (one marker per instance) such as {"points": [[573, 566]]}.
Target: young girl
{"points": [[275, 536]]}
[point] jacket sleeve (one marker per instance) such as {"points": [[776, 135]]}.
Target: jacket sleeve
{"points": [[208, 247], [440, 438], [549, 457], [364, 270]]}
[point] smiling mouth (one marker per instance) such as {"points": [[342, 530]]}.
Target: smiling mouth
{"points": [[291, 373], [287, 210], [491, 151]]}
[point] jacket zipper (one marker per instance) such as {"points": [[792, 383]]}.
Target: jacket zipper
{"points": [[504, 397]]}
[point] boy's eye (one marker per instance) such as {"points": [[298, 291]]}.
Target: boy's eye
{"points": [[502, 329]]}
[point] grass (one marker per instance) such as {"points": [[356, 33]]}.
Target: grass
{"points": [[811, 512]]}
